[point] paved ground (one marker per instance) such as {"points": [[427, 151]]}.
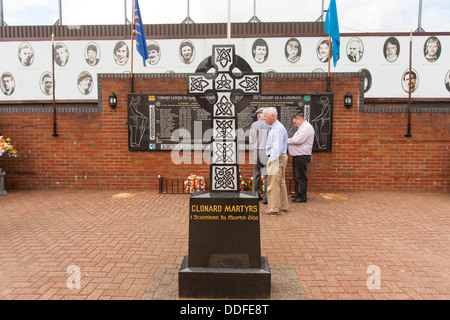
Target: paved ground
{"points": [[129, 245]]}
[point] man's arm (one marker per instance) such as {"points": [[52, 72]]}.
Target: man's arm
{"points": [[276, 145], [299, 137], [252, 135]]}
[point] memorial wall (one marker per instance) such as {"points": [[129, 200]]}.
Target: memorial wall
{"points": [[104, 147]]}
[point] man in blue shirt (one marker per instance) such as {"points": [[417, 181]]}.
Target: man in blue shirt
{"points": [[276, 148]]}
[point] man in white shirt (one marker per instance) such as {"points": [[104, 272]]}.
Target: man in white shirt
{"points": [[300, 148]]}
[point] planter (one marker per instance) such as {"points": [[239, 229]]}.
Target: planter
{"points": [[2, 184]]}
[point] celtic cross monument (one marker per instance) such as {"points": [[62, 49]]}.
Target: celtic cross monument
{"points": [[224, 258], [223, 90]]}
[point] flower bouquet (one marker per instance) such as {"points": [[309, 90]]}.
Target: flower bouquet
{"points": [[6, 148], [261, 189], [194, 183], [243, 185], [250, 184]]}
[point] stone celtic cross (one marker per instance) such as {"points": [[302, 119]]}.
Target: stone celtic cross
{"points": [[225, 81]]}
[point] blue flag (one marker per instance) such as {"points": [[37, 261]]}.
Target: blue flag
{"points": [[141, 43], [332, 29]]}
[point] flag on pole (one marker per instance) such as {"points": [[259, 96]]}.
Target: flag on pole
{"points": [[332, 29], [138, 25]]}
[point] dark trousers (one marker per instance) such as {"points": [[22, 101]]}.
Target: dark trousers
{"points": [[300, 168]]}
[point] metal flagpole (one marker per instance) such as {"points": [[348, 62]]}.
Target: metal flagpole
{"points": [[408, 135], [1, 13], [323, 8], [132, 48], [229, 22], [329, 62], [419, 23], [53, 85], [60, 13], [125, 11]]}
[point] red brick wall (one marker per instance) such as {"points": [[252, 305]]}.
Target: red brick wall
{"points": [[369, 150]]}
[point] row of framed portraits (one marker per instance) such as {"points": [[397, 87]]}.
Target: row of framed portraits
{"points": [[85, 81], [25, 71], [409, 80], [354, 49], [260, 51]]}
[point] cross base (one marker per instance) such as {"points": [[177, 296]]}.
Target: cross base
{"points": [[218, 283]]}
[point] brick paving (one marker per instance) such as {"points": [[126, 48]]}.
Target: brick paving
{"points": [[128, 245]]}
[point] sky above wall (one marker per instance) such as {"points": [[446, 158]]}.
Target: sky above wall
{"points": [[354, 15]]}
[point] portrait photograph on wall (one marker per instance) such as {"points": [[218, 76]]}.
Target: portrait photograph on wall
{"points": [[293, 50], [46, 83], [85, 82], [367, 79], [355, 49], [410, 77], [8, 84], [187, 52], [260, 50], [323, 49], [121, 53], [92, 54], [154, 52], [391, 49], [61, 54], [26, 54], [432, 49]]}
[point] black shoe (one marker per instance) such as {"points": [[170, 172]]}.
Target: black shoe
{"points": [[264, 201], [297, 200], [294, 196]]}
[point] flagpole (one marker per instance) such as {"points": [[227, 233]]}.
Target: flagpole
{"points": [[329, 62], [53, 86], [132, 48], [408, 134], [229, 22], [332, 29]]}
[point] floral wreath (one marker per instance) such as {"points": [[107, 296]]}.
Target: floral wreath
{"points": [[194, 183]]}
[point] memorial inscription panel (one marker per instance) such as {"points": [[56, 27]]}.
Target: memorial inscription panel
{"points": [[224, 231], [167, 122]]}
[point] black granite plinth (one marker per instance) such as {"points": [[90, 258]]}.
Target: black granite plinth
{"points": [[224, 259], [2, 185], [224, 227], [220, 283]]}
